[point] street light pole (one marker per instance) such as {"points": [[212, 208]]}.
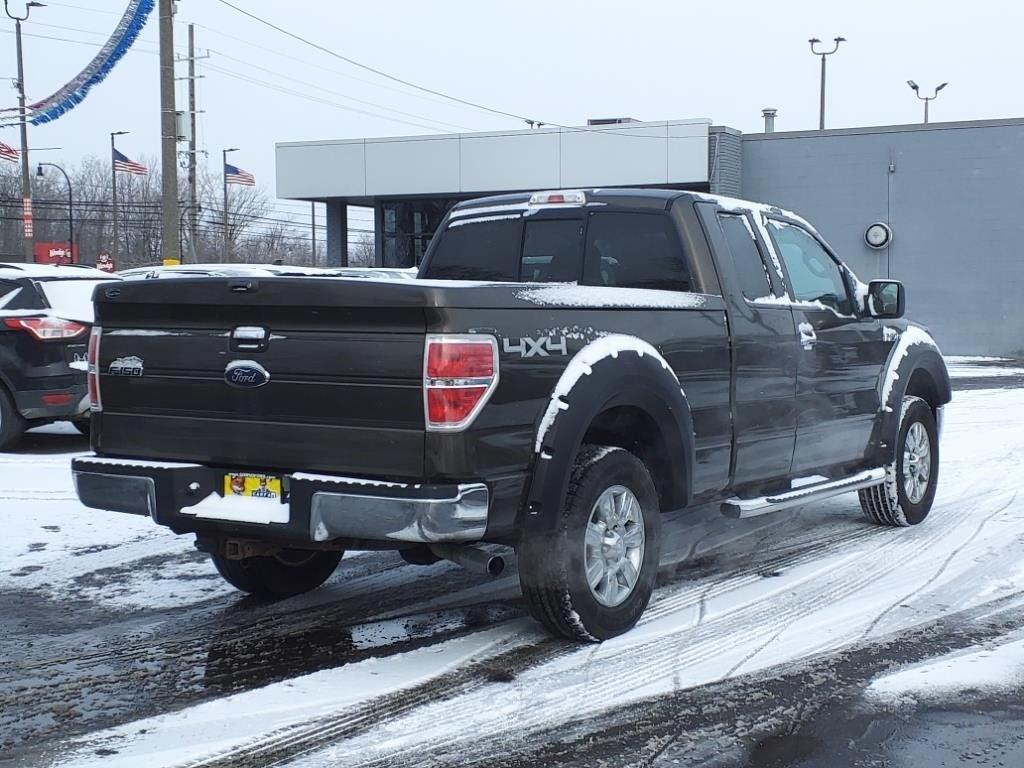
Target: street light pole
{"points": [[814, 41], [914, 87], [115, 238], [71, 206], [26, 180], [224, 173]]}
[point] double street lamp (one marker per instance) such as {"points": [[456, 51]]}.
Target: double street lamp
{"points": [[914, 87], [71, 206], [823, 54]]}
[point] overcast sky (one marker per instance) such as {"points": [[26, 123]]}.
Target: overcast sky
{"points": [[555, 60]]}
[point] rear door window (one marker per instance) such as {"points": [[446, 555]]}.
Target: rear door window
{"points": [[552, 251], [478, 248], [634, 250], [18, 296], [71, 299], [751, 272]]}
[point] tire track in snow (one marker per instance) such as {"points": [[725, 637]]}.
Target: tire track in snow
{"points": [[742, 625], [942, 568], [310, 737]]}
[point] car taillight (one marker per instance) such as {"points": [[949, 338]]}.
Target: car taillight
{"points": [[93, 375], [459, 374], [47, 328]]}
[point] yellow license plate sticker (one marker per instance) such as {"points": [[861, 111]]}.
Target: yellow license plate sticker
{"points": [[253, 486]]}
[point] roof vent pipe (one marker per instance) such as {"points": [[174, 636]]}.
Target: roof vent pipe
{"points": [[769, 113]]}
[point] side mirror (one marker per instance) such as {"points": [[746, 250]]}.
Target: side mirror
{"points": [[886, 299]]}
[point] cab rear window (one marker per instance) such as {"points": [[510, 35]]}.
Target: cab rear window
{"points": [[478, 248]]}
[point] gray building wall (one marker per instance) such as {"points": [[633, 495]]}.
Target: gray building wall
{"points": [[953, 194]]}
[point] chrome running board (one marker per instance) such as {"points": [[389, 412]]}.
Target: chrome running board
{"points": [[808, 494]]}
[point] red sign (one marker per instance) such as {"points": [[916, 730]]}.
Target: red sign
{"points": [[104, 262], [27, 215], [55, 253]]}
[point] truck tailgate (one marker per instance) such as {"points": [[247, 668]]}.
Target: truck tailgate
{"points": [[344, 360]]}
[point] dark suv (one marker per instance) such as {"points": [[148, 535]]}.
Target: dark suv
{"points": [[45, 316]]}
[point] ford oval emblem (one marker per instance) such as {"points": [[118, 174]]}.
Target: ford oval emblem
{"points": [[246, 374]]}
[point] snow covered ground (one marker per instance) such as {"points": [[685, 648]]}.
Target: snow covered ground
{"points": [[436, 664]]}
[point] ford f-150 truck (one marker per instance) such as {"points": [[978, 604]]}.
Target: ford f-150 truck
{"points": [[569, 366]]}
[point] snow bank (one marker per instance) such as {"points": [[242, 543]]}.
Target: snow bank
{"points": [[997, 668]]}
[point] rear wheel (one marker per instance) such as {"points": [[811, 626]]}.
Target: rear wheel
{"points": [[289, 572], [12, 425], [592, 578], [906, 495]]}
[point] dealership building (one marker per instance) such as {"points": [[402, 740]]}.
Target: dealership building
{"points": [[950, 193]]}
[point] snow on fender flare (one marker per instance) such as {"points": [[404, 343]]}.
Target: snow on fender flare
{"points": [[632, 373], [915, 349]]}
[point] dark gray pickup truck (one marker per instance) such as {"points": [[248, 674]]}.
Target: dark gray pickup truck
{"points": [[569, 366]]}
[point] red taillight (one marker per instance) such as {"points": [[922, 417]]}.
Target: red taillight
{"points": [[47, 328], [459, 374], [57, 398], [93, 375], [459, 359]]}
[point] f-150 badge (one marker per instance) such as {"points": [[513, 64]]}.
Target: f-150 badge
{"points": [[126, 366]]}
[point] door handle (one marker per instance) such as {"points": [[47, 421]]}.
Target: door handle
{"points": [[808, 338]]}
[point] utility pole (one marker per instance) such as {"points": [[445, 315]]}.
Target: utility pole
{"points": [[116, 238], [312, 210], [26, 178], [193, 191], [169, 235], [914, 87], [814, 41], [227, 223]]}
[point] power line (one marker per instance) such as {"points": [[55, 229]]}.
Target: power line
{"points": [[416, 86], [342, 95], [367, 67], [308, 97]]}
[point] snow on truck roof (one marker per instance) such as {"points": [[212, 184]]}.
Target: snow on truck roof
{"points": [[617, 194]]}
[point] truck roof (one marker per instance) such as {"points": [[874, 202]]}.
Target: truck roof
{"points": [[633, 197]]}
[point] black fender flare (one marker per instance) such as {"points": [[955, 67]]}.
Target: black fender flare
{"points": [[915, 350], [632, 373]]}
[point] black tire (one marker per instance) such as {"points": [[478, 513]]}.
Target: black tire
{"points": [[12, 425], [292, 572], [552, 570], [888, 502]]}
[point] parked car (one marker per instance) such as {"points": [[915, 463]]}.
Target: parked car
{"points": [[670, 349], [45, 316]]}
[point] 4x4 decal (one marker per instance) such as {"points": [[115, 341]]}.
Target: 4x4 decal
{"points": [[543, 346]]}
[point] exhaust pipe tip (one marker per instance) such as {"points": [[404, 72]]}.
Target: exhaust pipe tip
{"points": [[471, 558], [495, 566]]}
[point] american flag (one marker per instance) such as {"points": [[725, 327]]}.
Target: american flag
{"points": [[235, 175], [8, 153], [124, 165]]}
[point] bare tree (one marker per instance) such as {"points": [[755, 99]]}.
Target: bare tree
{"points": [[255, 233]]}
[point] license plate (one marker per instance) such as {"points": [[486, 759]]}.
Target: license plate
{"points": [[253, 486]]}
